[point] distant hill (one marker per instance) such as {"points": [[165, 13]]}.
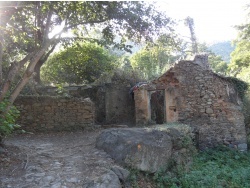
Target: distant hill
{"points": [[223, 49]]}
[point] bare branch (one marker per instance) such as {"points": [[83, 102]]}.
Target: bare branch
{"points": [[78, 24], [88, 22], [49, 52], [28, 73]]}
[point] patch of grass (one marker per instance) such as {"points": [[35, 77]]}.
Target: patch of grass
{"points": [[214, 168], [219, 167]]}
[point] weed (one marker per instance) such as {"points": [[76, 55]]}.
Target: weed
{"points": [[7, 119], [219, 167]]}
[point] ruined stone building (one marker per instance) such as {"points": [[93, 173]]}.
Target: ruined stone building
{"points": [[188, 93], [191, 93]]}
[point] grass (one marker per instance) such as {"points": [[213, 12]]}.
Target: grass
{"points": [[213, 168]]}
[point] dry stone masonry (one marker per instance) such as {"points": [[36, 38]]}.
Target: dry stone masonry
{"points": [[54, 113], [196, 96]]}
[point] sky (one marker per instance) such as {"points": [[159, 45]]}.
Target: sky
{"points": [[213, 19]]}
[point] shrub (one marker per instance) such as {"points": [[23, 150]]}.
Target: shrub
{"points": [[220, 167], [7, 119]]}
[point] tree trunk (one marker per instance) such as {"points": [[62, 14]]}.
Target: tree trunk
{"points": [[37, 70], [28, 73], [14, 69], [1, 59], [40, 63]]}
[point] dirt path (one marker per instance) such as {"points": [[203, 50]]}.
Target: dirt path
{"points": [[56, 160]]}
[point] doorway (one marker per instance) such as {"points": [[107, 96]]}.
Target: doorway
{"points": [[157, 106]]}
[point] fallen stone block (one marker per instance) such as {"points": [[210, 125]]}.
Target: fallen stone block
{"points": [[148, 149]]}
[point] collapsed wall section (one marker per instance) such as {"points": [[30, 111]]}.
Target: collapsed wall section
{"points": [[46, 113]]}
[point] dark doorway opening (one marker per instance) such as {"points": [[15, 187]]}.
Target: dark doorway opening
{"points": [[157, 104]]}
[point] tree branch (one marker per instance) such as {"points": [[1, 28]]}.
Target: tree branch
{"points": [[28, 73], [14, 69], [46, 31], [87, 22], [46, 56], [81, 23], [1, 59]]}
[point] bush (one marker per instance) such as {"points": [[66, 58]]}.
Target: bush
{"points": [[7, 120], [220, 167]]}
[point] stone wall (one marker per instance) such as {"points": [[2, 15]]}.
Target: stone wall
{"points": [[142, 109], [54, 113], [203, 99], [113, 103], [211, 104], [119, 105]]}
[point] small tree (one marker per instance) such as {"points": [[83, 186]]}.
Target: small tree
{"points": [[156, 58], [78, 64]]}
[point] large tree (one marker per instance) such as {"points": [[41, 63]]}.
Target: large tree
{"points": [[26, 35]]}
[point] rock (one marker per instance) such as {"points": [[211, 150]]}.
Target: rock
{"points": [[2, 150], [146, 149], [209, 110], [108, 180], [56, 185], [72, 180], [48, 179], [120, 172], [242, 147]]}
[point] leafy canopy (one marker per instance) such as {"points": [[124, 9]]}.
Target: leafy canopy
{"points": [[78, 64], [26, 30]]}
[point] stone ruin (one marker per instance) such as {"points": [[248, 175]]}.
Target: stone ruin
{"points": [[188, 93], [191, 93], [192, 103]]}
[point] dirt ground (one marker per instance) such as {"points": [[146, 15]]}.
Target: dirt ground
{"points": [[53, 160]]}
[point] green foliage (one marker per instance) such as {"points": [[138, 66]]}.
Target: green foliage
{"points": [[240, 86], [120, 76], [220, 167], [78, 64], [7, 120], [216, 62], [223, 49], [30, 30], [240, 57], [155, 59]]}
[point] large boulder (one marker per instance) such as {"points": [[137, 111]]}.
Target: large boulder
{"points": [[148, 149]]}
